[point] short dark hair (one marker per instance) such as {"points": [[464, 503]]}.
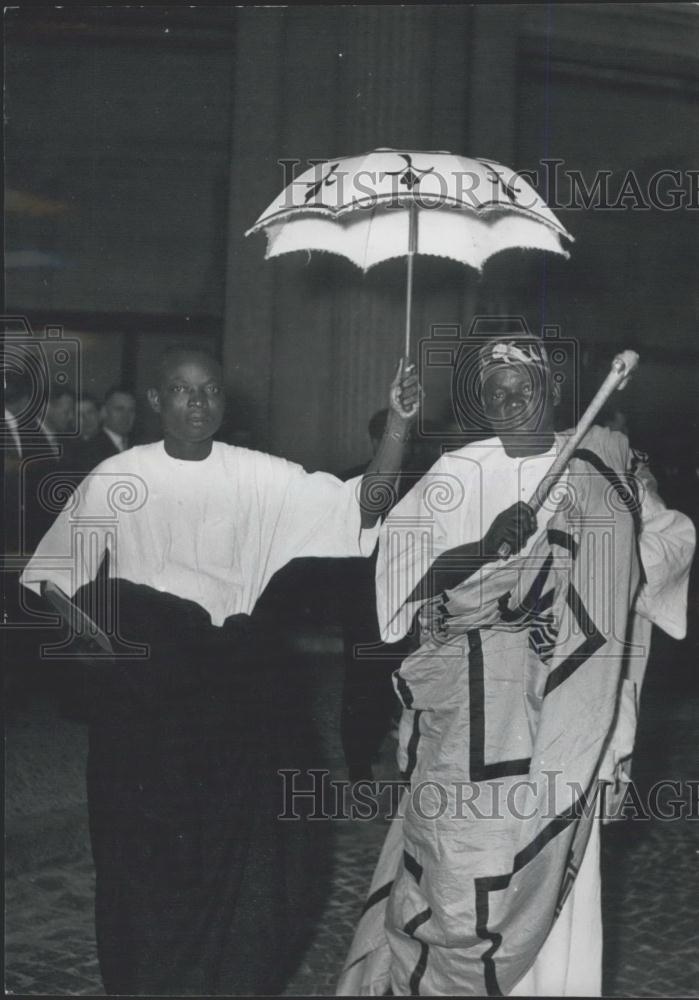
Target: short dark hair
{"points": [[175, 352], [114, 389]]}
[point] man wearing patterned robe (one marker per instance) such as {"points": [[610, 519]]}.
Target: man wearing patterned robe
{"points": [[519, 703]]}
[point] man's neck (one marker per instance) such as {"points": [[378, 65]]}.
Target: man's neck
{"points": [[188, 451], [526, 445]]}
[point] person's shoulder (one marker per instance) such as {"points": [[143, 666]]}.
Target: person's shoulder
{"points": [[462, 460], [120, 481], [612, 447], [114, 463], [449, 477], [130, 458], [252, 462], [481, 447]]}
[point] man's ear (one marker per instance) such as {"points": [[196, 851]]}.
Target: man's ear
{"points": [[154, 399]]}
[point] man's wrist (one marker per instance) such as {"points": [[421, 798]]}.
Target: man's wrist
{"points": [[398, 427], [401, 436], [488, 553]]}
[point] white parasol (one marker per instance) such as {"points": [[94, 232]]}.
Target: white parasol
{"points": [[392, 203]]}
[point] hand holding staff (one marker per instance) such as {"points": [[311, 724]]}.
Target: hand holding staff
{"points": [[622, 367]]}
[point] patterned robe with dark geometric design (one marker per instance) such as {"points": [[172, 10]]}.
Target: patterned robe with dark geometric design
{"points": [[509, 706]]}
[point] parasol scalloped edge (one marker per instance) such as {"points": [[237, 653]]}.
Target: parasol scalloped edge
{"points": [[271, 254]]}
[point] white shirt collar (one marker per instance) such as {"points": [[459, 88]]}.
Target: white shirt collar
{"points": [[11, 422], [49, 434], [117, 439]]}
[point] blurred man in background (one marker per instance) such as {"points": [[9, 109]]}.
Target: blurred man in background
{"points": [[118, 415], [89, 417], [104, 431], [59, 418], [25, 438]]}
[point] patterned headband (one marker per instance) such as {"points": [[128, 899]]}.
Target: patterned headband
{"points": [[513, 353]]}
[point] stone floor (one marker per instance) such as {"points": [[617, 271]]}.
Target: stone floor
{"points": [[651, 894], [651, 868]]}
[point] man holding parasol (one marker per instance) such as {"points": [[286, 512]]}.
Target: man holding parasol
{"points": [[200, 888]]}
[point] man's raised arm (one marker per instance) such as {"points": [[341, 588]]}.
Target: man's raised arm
{"points": [[378, 490]]}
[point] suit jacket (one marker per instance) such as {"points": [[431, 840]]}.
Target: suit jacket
{"points": [[100, 447], [81, 457], [25, 515]]}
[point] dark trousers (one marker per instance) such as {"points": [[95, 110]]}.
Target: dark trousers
{"points": [[200, 889], [369, 702]]}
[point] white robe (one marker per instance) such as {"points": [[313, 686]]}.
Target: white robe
{"points": [[213, 531]]}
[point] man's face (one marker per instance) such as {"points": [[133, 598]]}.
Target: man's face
{"points": [[190, 399], [519, 399], [119, 412], [60, 415], [89, 418]]}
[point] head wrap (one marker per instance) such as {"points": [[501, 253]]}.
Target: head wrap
{"points": [[512, 351]]}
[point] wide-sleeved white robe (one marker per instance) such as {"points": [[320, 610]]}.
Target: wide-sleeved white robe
{"points": [[212, 531]]}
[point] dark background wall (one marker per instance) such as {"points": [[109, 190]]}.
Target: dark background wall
{"points": [[142, 143]]}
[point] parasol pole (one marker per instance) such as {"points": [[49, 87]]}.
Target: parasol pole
{"points": [[412, 250]]}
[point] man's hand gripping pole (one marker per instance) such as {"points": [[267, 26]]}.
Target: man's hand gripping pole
{"points": [[620, 372]]}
